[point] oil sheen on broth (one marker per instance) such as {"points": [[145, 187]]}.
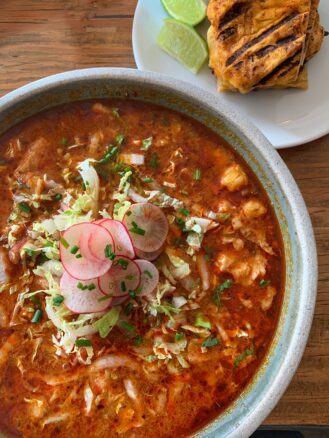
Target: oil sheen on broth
{"points": [[161, 358]]}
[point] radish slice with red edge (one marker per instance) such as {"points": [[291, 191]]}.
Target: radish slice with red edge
{"points": [[121, 237], [82, 296], [89, 247], [147, 226], [76, 256], [149, 277], [124, 276], [116, 301], [148, 255]]}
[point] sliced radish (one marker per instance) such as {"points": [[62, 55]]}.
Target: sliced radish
{"points": [[147, 225], [89, 247], [82, 301], [148, 255], [124, 276], [149, 277], [75, 253], [121, 237], [116, 301]]}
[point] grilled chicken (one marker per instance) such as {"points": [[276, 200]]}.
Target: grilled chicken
{"points": [[262, 43]]}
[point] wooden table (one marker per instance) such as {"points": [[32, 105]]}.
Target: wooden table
{"points": [[42, 37]]}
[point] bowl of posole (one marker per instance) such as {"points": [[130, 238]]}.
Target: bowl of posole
{"points": [[273, 377]]}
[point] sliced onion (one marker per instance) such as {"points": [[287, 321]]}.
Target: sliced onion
{"points": [[122, 240], [147, 225], [136, 197], [115, 361], [148, 255], [149, 277], [82, 301], [91, 264], [179, 301], [121, 278], [134, 159]]}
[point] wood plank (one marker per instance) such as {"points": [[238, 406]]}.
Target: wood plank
{"points": [[43, 37]]}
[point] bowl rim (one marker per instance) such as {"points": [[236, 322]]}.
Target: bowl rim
{"points": [[305, 234]]}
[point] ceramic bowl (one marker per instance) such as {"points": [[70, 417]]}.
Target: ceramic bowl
{"points": [[273, 377]]}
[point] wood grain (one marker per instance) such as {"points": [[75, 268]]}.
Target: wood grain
{"points": [[42, 37]]}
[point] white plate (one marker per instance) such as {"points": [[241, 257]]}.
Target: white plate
{"points": [[286, 117]]}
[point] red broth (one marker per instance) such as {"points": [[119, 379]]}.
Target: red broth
{"points": [[176, 359]]}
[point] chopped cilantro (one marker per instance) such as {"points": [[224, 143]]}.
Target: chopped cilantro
{"points": [[58, 197], [147, 180], [184, 192], [219, 290], [147, 143], [64, 243], [123, 286], [24, 207], [75, 249], [210, 342], [184, 211], [154, 161], [197, 175], [111, 153], [83, 343], [136, 230], [127, 326], [37, 316], [64, 141], [138, 341], [132, 294], [122, 262], [119, 139], [90, 286], [128, 308], [179, 336], [148, 273], [244, 355], [57, 300], [109, 252], [264, 283], [151, 358]]}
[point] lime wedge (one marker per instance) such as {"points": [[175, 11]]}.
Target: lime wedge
{"points": [[191, 12], [183, 43]]}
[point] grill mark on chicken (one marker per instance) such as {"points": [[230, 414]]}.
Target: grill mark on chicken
{"points": [[258, 39], [233, 13], [227, 33], [286, 66], [268, 49]]}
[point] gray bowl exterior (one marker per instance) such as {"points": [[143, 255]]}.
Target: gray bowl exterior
{"points": [[261, 395]]}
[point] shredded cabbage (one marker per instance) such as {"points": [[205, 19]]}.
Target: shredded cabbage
{"points": [[71, 217], [120, 209], [163, 350], [180, 268], [106, 323], [121, 196], [105, 214], [163, 200], [91, 181]]}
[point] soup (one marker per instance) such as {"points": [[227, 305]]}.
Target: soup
{"points": [[142, 273]]}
